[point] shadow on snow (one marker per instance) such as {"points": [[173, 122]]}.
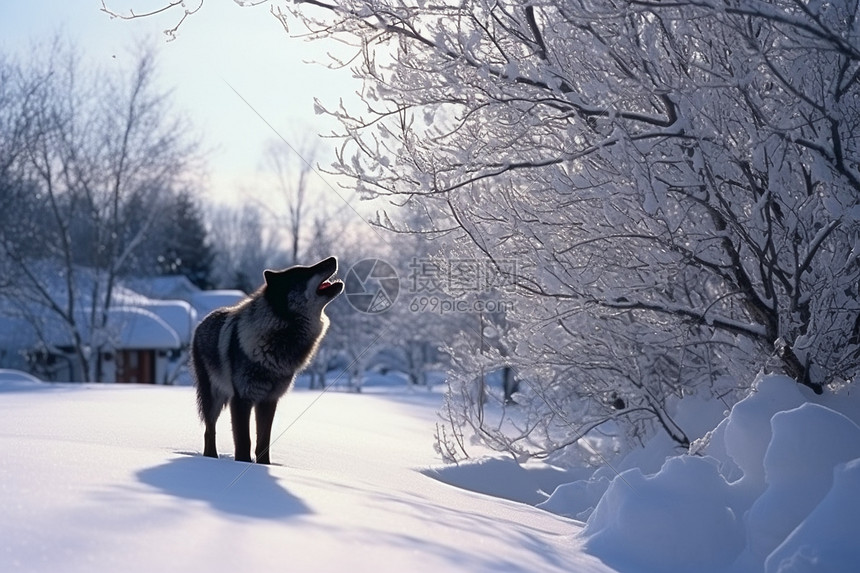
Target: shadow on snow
{"points": [[247, 490]]}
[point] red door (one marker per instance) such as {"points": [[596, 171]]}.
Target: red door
{"points": [[135, 366]]}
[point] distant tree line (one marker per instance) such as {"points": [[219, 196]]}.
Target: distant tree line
{"points": [[97, 184]]}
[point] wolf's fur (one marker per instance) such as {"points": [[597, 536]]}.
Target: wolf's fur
{"points": [[248, 355]]}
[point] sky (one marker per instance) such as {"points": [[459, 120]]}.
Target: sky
{"points": [[221, 55]]}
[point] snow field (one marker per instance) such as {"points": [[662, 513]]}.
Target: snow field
{"points": [[108, 477]]}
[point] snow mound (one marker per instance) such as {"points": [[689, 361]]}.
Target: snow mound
{"points": [[827, 539], [696, 414], [578, 499], [746, 433], [774, 490], [666, 522], [525, 483]]}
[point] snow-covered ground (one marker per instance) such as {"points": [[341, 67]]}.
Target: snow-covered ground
{"points": [[775, 487], [110, 478]]}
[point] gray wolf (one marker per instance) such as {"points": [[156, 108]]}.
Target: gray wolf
{"points": [[248, 355]]}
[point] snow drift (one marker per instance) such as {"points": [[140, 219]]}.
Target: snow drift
{"points": [[773, 488]]}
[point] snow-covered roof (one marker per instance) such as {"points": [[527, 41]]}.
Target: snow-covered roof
{"points": [[136, 322], [128, 328], [177, 314], [137, 328], [153, 325], [208, 300]]}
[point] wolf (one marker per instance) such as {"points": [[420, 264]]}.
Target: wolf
{"points": [[248, 355]]}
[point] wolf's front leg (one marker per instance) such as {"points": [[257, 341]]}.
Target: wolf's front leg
{"points": [[265, 414], [240, 412]]}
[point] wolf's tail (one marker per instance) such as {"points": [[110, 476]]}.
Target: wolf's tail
{"points": [[204, 357], [202, 382]]}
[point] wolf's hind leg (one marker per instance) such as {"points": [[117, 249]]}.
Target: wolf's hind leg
{"points": [[265, 414], [240, 412], [212, 411]]}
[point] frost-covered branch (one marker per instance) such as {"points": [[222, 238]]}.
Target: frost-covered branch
{"points": [[677, 181]]}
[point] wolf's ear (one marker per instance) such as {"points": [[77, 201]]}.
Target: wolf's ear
{"points": [[269, 275]]}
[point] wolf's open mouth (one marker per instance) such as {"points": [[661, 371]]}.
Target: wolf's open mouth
{"points": [[327, 284], [328, 287]]}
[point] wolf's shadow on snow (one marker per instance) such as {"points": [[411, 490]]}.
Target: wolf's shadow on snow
{"points": [[234, 488]]}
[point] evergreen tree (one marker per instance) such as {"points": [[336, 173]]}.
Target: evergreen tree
{"points": [[186, 249]]}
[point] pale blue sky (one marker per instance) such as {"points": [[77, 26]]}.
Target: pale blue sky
{"points": [[223, 42]]}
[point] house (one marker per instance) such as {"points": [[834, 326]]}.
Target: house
{"points": [[145, 339], [144, 348], [136, 344]]}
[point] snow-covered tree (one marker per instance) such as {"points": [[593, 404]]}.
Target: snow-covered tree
{"points": [[682, 180], [679, 181]]}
